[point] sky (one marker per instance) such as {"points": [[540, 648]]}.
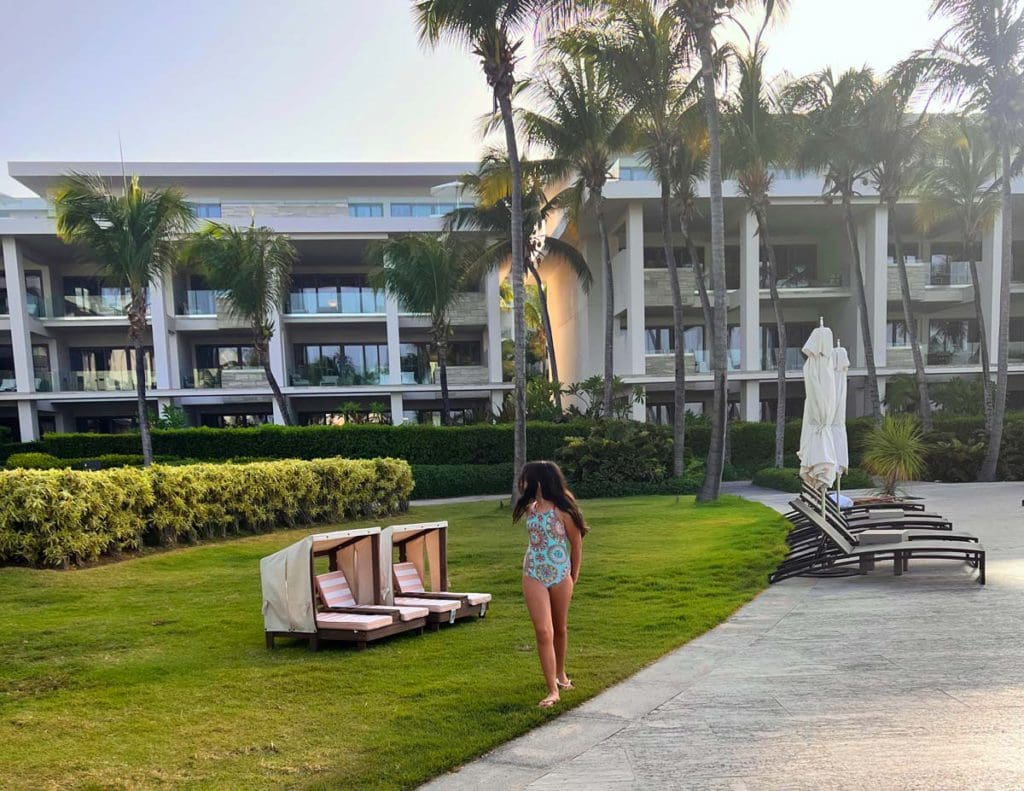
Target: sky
{"points": [[306, 80]]}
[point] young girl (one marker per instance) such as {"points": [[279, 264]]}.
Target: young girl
{"points": [[551, 566]]}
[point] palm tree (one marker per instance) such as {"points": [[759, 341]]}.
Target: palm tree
{"points": [[956, 184], [755, 142], [641, 48], [585, 127], [131, 237], [493, 30], [979, 60], [426, 274], [700, 19], [251, 267], [833, 133], [491, 214], [894, 137]]}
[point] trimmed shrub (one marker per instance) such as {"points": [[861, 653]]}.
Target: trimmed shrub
{"points": [[59, 517], [787, 479], [460, 480], [596, 487], [34, 461], [618, 451]]}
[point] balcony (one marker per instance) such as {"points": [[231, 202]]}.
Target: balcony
{"points": [[965, 355], [949, 273], [103, 381], [697, 362], [457, 375], [351, 300], [113, 305], [199, 302], [241, 377], [316, 376], [794, 359]]}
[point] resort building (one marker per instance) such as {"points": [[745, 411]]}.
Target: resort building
{"points": [[340, 346]]}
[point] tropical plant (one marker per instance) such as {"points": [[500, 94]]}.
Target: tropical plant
{"points": [[833, 130], [251, 268], [542, 399], [979, 61], [961, 395], [589, 395], [755, 142], [130, 236], [585, 127], [893, 143], [700, 19], [617, 451], [642, 49], [493, 30], [895, 451], [491, 214], [956, 185], [171, 417], [901, 394], [426, 274]]}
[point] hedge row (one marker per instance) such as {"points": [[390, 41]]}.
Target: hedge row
{"points": [[60, 517], [787, 479], [482, 444], [460, 480]]}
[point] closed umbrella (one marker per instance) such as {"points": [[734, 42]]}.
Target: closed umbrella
{"points": [[840, 367], [817, 447]]}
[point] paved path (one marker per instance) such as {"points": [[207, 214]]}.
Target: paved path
{"points": [[877, 682]]}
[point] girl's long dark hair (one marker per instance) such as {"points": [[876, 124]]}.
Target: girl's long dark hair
{"points": [[544, 480]]}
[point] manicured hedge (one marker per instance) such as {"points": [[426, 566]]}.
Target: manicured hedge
{"points": [[787, 479], [460, 480], [435, 445], [60, 517]]}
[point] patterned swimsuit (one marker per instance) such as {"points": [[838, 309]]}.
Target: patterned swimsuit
{"points": [[547, 557]]}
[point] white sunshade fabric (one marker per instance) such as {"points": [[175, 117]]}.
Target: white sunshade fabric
{"points": [[287, 581], [840, 367], [817, 447]]}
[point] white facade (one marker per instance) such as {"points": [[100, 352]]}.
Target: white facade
{"points": [[63, 334]]}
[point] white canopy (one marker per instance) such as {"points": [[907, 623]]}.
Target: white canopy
{"points": [[287, 576], [840, 367], [817, 448]]}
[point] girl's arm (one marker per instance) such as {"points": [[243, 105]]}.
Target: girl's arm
{"points": [[572, 532]]}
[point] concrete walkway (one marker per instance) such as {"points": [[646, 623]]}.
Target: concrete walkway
{"points": [[882, 682]]}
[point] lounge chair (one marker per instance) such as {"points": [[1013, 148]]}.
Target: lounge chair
{"points": [[422, 551], [348, 604], [864, 549]]}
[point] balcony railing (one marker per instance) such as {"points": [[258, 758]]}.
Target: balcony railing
{"points": [[108, 305], [228, 378], [103, 381], [353, 300], [311, 376], [794, 359], [949, 273], [199, 302], [968, 354], [804, 280], [1015, 351]]}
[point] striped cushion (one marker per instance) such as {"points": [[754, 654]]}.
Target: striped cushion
{"points": [[334, 590], [407, 578], [404, 613], [345, 620], [434, 605]]}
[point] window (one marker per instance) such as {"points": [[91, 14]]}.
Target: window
{"points": [[442, 209], [896, 334], [635, 173], [221, 357], [654, 257], [465, 353], [106, 368], [366, 210], [106, 425], [412, 210], [660, 340], [206, 211], [235, 420], [911, 253], [340, 364], [334, 294], [92, 296], [797, 265]]}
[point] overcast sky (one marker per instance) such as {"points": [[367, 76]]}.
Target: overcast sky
{"points": [[333, 80]]}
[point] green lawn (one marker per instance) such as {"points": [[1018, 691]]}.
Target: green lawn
{"points": [[153, 671]]}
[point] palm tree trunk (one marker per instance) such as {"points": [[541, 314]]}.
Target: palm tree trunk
{"points": [[609, 310], [504, 98], [924, 407], [780, 329], [986, 364], [137, 324], [442, 368], [702, 286], [542, 297], [995, 440], [679, 387], [862, 303], [716, 452], [260, 341]]}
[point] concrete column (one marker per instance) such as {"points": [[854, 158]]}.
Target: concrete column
{"points": [[750, 401], [397, 408], [989, 278], [750, 296], [636, 320], [21, 335], [28, 419], [874, 260], [492, 298], [278, 356], [394, 340], [159, 289]]}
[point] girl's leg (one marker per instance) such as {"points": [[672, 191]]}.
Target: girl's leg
{"points": [[538, 603], [560, 596]]}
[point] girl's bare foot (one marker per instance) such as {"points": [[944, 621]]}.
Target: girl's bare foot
{"points": [[549, 701]]}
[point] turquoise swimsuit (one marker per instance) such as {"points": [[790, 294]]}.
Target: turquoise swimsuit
{"points": [[547, 557]]}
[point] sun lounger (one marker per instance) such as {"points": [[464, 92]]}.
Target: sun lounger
{"points": [[842, 549], [408, 583]]}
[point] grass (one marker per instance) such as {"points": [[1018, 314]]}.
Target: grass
{"points": [[152, 672]]}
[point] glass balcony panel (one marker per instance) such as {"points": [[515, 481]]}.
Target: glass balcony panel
{"points": [[347, 376], [104, 381], [794, 359], [200, 302], [1015, 350], [966, 354], [949, 273], [96, 304]]}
